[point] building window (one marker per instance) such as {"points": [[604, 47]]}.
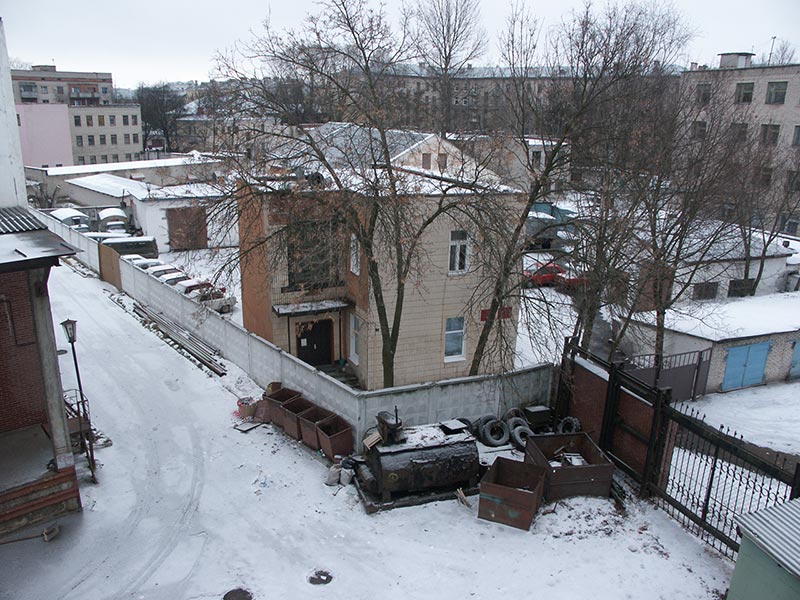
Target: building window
{"points": [[102, 140], [113, 139], [90, 140], [135, 156], [744, 93], [104, 158], [426, 160], [124, 119], [739, 132], [101, 120], [93, 160], [739, 288], [776, 92], [128, 157], [77, 120], [355, 325], [705, 291], [536, 159], [355, 255], [135, 138], [442, 162], [769, 134], [458, 252], [104, 90], [764, 176], [115, 158], [112, 120], [44, 89], [19, 123], [79, 140], [126, 138], [789, 224], [81, 160], [698, 130], [89, 120], [60, 89], [703, 93], [134, 119], [454, 339], [793, 181], [796, 138]]}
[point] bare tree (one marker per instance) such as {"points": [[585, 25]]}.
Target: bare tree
{"points": [[448, 38], [161, 108]]}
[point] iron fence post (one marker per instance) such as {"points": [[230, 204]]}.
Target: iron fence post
{"points": [[707, 499], [795, 493]]}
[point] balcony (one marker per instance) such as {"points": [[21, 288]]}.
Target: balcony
{"points": [[25, 94], [79, 94]]}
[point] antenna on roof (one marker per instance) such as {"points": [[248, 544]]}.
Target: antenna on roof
{"points": [[771, 48]]}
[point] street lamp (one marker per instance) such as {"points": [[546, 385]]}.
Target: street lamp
{"points": [[71, 331]]}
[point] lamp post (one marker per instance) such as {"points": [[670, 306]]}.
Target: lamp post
{"points": [[71, 331]]}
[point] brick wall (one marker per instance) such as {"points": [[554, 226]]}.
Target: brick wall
{"points": [[22, 394]]}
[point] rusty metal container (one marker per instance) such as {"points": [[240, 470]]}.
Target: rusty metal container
{"points": [[309, 419], [276, 399], [427, 459], [335, 437], [590, 479], [262, 411], [289, 411], [511, 493]]}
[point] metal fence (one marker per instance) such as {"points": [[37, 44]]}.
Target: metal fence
{"points": [[709, 477], [686, 373]]}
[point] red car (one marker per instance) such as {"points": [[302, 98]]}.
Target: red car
{"points": [[543, 274], [572, 282]]}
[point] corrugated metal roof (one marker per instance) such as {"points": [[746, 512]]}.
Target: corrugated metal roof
{"points": [[16, 219], [776, 530]]}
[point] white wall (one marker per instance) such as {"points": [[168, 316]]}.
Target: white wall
{"points": [[89, 253], [12, 175]]}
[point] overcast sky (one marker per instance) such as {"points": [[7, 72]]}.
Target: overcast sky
{"points": [[172, 40]]}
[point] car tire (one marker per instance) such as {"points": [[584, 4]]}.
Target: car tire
{"points": [[569, 425], [477, 425], [495, 433], [515, 422], [520, 435]]}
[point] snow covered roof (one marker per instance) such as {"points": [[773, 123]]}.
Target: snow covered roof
{"points": [[112, 213], [733, 319], [194, 158], [776, 530], [309, 308], [188, 190], [68, 213], [111, 185]]}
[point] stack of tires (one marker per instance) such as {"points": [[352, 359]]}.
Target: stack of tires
{"points": [[513, 428]]}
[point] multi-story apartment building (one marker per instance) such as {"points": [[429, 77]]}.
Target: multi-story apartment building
{"points": [[43, 84], [105, 134], [760, 104], [99, 130]]}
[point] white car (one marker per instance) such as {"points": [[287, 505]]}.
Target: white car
{"points": [[162, 269], [173, 278]]}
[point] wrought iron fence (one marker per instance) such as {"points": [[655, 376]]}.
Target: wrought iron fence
{"points": [[709, 477]]}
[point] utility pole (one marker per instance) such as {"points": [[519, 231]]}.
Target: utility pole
{"points": [[771, 48]]}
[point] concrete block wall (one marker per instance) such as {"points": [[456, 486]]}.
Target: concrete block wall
{"points": [[89, 254]]}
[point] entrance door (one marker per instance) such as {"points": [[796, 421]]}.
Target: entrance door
{"points": [[745, 366], [315, 342], [794, 370]]}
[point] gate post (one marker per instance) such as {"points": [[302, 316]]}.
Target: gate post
{"points": [[795, 493]]}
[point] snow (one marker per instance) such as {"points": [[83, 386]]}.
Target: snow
{"points": [[112, 185], [766, 415], [739, 318], [546, 317], [188, 507], [189, 159], [301, 308]]}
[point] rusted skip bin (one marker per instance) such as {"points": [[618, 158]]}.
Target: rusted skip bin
{"points": [[276, 399], [335, 437], [309, 419], [590, 479], [289, 411], [511, 493]]}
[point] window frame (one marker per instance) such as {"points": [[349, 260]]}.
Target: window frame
{"points": [[776, 94], [744, 94], [462, 333], [770, 133], [458, 253], [355, 255], [703, 290], [740, 288], [355, 339]]}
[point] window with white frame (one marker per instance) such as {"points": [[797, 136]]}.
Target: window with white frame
{"points": [[355, 255], [458, 252], [355, 325], [454, 339]]}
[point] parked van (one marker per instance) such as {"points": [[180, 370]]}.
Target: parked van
{"points": [[143, 245]]}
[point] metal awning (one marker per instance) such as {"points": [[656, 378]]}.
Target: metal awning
{"points": [[300, 309], [31, 249]]}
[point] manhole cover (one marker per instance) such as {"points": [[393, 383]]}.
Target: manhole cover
{"points": [[320, 578], [238, 594]]}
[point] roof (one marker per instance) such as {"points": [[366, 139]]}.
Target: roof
{"points": [[111, 185], [16, 219], [194, 158], [68, 213], [735, 319], [776, 530], [309, 308], [25, 243]]}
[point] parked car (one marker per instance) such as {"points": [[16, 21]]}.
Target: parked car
{"points": [[572, 281], [191, 285], [173, 278], [162, 269], [539, 274], [146, 263], [100, 236], [214, 298]]}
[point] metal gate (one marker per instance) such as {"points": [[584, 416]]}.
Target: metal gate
{"points": [[744, 366]]}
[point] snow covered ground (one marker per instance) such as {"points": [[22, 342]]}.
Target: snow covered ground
{"points": [[766, 415], [188, 507]]}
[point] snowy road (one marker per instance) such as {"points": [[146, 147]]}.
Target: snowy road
{"points": [[189, 508]]}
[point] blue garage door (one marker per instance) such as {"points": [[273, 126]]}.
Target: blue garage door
{"points": [[745, 366], [794, 371]]}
